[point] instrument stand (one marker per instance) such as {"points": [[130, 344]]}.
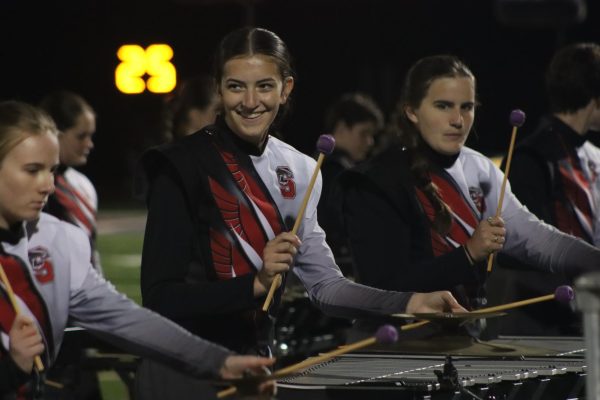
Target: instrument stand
{"points": [[448, 379]]}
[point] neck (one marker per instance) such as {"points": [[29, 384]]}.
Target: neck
{"points": [[11, 233], [439, 159], [246, 146], [579, 120]]}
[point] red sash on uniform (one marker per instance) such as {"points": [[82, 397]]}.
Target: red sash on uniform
{"points": [[24, 289], [240, 217], [77, 207], [464, 219], [577, 220]]}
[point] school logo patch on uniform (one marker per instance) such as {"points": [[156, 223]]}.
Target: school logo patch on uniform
{"points": [[43, 270], [287, 185], [476, 194]]}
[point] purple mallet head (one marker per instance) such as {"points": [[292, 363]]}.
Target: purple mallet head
{"points": [[517, 118], [564, 294], [386, 334], [325, 144]]}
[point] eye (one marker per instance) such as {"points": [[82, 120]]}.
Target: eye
{"points": [[468, 107], [441, 105], [32, 169], [266, 86], [234, 87]]}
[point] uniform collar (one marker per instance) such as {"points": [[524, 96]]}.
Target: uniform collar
{"points": [[246, 147], [441, 160], [13, 234]]}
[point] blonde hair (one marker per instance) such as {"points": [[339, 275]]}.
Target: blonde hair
{"points": [[20, 120]]}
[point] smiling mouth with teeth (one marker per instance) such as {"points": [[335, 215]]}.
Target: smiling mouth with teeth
{"points": [[251, 115]]}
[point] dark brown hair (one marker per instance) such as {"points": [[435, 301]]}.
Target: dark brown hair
{"points": [[416, 85]]}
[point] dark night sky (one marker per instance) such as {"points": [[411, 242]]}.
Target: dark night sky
{"points": [[338, 46]]}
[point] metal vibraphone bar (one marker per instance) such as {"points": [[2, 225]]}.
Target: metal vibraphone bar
{"points": [[414, 377]]}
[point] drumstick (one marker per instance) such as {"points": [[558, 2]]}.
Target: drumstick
{"points": [[517, 119], [562, 294], [325, 146], [386, 334], [11, 295]]}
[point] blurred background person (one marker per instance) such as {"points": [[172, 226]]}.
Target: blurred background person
{"points": [[354, 120], [75, 199], [194, 105], [554, 173]]}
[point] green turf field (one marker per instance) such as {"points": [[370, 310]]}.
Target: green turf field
{"points": [[120, 254]]}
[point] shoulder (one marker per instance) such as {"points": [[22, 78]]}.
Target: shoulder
{"points": [[52, 229], [179, 160], [177, 151], [592, 150], [473, 160], [468, 154], [289, 152], [61, 239], [81, 182], [542, 143]]}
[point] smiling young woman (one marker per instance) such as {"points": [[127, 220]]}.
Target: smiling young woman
{"points": [[220, 205]]}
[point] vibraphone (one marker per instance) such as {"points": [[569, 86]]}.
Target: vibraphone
{"points": [[558, 375]]}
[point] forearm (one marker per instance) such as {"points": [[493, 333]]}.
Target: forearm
{"points": [[543, 246], [334, 294], [97, 307], [343, 298]]}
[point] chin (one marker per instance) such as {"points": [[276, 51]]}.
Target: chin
{"points": [[32, 216]]}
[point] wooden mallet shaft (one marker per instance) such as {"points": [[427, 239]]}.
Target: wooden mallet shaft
{"points": [[13, 300], [517, 118], [562, 294], [521, 303], [385, 334], [325, 146]]}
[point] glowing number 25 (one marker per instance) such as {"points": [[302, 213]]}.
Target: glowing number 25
{"points": [[136, 62]]}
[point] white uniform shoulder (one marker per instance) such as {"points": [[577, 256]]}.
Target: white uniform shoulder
{"points": [[67, 242], [83, 184], [591, 150], [289, 151], [50, 224], [474, 160], [469, 153]]}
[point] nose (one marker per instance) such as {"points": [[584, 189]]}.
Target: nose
{"points": [[250, 99], [47, 184], [89, 143], [456, 120]]}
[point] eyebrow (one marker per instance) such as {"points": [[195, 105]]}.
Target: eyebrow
{"points": [[35, 164], [264, 80], [448, 102]]}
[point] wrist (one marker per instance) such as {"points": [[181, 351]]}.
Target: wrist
{"points": [[258, 288]]}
